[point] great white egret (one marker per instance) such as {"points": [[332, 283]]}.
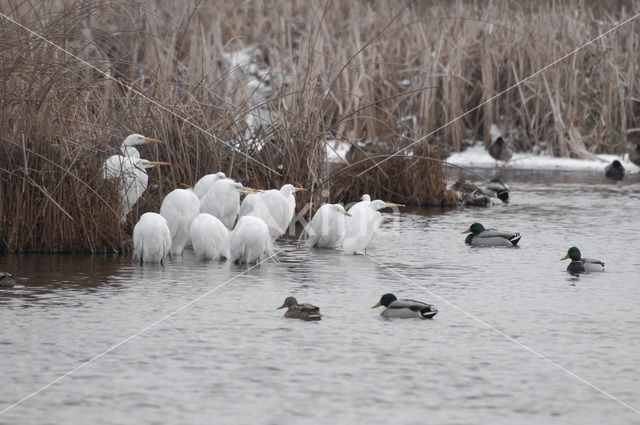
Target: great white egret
{"points": [[222, 200], [365, 200], [179, 208], [326, 228], [250, 240], [112, 167], [275, 207], [209, 237], [202, 186], [362, 225], [151, 238], [132, 182]]}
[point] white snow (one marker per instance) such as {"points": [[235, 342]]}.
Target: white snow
{"points": [[477, 156], [337, 151]]}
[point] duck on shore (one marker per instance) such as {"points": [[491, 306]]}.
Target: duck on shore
{"points": [[405, 309], [500, 150], [490, 237], [302, 311], [581, 265]]}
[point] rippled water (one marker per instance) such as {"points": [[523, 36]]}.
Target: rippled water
{"points": [[230, 357]]}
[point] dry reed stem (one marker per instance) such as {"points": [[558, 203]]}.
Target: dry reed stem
{"points": [[355, 71]]}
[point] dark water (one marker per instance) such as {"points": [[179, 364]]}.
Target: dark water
{"points": [[231, 358]]}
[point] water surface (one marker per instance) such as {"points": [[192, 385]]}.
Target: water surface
{"points": [[230, 357]]}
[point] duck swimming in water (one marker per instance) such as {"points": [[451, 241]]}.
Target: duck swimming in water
{"points": [[490, 237], [614, 171], [405, 309], [6, 280], [582, 265], [495, 188], [304, 311]]}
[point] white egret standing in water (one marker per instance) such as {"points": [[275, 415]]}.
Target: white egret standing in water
{"points": [[275, 207], [223, 200], [179, 208], [326, 228], [209, 237], [362, 225], [366, 200], [151, 238], [202, 186], [249, 241], [133, 182]]}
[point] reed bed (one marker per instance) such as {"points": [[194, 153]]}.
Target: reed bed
{"points": [[377, 74]]}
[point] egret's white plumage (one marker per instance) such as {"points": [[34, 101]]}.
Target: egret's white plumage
{"points": [[362, 225], [275, 207], [209, 237], [151, 238], [202, 186], [132, 182], [249, 241], [180, 207], [112, 167], [326, 228], [222, 200], [366, 200]]}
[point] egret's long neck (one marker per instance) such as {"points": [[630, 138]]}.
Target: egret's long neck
{"points": [[130, 152]]}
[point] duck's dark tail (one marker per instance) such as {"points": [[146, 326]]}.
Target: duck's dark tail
{"points": [[515, 238]]}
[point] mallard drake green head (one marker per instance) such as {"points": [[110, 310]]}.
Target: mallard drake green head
{"points": [[405, 309], [581, 265], [573, 253], [475, 228], [385, 300]]}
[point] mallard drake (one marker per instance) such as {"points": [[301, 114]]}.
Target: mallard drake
{"points": [[582, 265], [405, 309], [6, 280], [470, 195], [497, 189], [500, 151], [614, 171], [490, 237], [300, 311]]}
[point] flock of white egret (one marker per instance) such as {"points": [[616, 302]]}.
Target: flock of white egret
{"points": [[212, 219]]}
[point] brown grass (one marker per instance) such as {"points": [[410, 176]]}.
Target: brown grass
{"points": [[336, 73]]}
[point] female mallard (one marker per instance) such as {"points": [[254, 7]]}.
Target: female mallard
{"points": [[300, 311], [614, 171], [582, 265], [6, 280], [470, 195], [489, 237], [405, 309], [500, 151]]}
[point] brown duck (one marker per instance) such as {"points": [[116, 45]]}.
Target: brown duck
{"points": [[300, 311]]}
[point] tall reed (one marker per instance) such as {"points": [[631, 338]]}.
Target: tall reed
{"points": [[381, 73]]}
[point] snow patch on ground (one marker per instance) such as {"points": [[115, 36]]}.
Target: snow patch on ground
{"points": [[477, 156], [337, 151]]}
